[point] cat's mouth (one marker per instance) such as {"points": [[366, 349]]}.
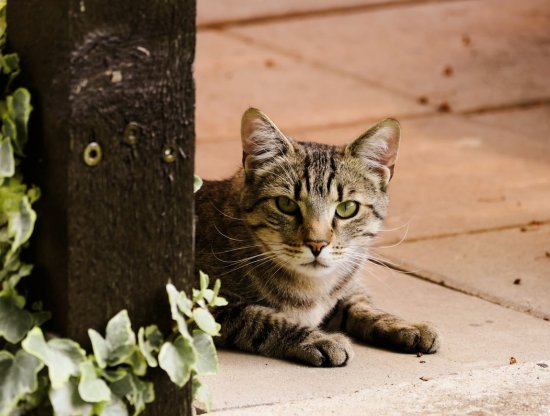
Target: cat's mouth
{"points": [[315, 264]]}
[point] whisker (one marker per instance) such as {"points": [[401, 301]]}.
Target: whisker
{"points": [[226, 236]]}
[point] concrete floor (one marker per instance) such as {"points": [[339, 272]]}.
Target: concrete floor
{"points": [[470, 83]]}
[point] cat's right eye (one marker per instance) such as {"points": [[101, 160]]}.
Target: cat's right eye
{"points": [[286, 205]]}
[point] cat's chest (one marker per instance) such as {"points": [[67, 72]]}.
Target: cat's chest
{"points": [[311, 316]]}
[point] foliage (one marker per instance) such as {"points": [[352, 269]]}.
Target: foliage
{"points": [[41, 370]]}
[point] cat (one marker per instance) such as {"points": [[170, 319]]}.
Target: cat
{"points": [[288, 235]]}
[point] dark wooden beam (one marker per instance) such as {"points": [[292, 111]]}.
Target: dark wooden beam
{"points": [[112, 148]]}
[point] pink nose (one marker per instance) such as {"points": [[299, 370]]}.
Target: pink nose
{"points": [[316, 246]]}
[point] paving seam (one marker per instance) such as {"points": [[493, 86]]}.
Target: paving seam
{"points": [[332, 11], [439, 280]]}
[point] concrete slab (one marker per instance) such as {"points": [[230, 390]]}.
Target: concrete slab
{"points": [[232, 75], [459, 55], [215, 12], [508, 267], [513, 390], [476, 334]]}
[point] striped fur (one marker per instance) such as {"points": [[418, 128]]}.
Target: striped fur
{"points": [[291, 279]]}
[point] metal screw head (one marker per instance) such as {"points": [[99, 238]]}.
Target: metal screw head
{"points": [[169, 153], [132, 132], [92, 154]]}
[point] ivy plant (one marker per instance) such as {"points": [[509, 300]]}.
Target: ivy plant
{"points": [[40, 370]]}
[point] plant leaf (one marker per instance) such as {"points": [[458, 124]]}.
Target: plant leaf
{"points": [[18, 377], [178, 360], [91, 388], [15, 322], [19, 109], [62, 356], [66, 401], [7, 161], [201, 395], [119, 331], [205, 321], [207, 362], [136, 391], [99, 347], [150, 340], [116, 407], [21, 224], [177, 300], [197, 183]]}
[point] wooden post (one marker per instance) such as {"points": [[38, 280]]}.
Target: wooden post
{"points": [[112, 148]]}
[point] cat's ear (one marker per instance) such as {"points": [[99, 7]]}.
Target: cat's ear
{"points": [[378, 147], [262, 140]]}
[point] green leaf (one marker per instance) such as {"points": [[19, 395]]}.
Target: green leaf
{"points": [[150, 340], [62, 356], [7, 161], [15, 322], [178, 360], [19, 110], [91, 388], [179, 306], [197, 183], [119, 345], [207, 362], [10, 63], [116, 407], [66, 401], [201, 395], [205, 321], [21, 224], [136, 391], [119, 332], [99, 347], [18, 378], [204, 281]]}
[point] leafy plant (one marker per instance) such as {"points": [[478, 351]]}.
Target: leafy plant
{"points": [[41, 370]]}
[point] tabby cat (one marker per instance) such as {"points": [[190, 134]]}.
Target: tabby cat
{"points": [[288, 235]]}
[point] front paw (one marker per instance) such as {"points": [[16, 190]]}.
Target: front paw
{"points": [[320, 349], [421, 337]]}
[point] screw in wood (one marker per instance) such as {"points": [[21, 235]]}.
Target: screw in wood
{"points": [[169, 153], [92, 154], [131, 133]]}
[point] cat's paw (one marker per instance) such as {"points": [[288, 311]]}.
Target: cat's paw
{"points": [[420, 337], [320, 349]]}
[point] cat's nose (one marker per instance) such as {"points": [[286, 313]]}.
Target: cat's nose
{"points": [[316, 246]]}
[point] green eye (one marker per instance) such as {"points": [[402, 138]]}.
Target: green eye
{"points": [[286, 205], [347, 209]]}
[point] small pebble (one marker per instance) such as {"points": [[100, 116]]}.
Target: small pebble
{"points": [[542, 365], [444, 107], [423, 100], [422, 362], [513, 360], [419, 354], [448, 71], [424, 378], [517, 281]]}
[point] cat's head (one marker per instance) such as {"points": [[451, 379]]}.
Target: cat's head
{"points": [[316, 207]]}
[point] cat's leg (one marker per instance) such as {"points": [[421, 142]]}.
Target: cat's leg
{"points": [[359, 319], [264, 331]]}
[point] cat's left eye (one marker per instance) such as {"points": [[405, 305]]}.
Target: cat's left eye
{"points": [[347, 209], [286, 205]]}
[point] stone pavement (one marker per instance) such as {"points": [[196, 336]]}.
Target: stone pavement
{"points": [[469, 225]]}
